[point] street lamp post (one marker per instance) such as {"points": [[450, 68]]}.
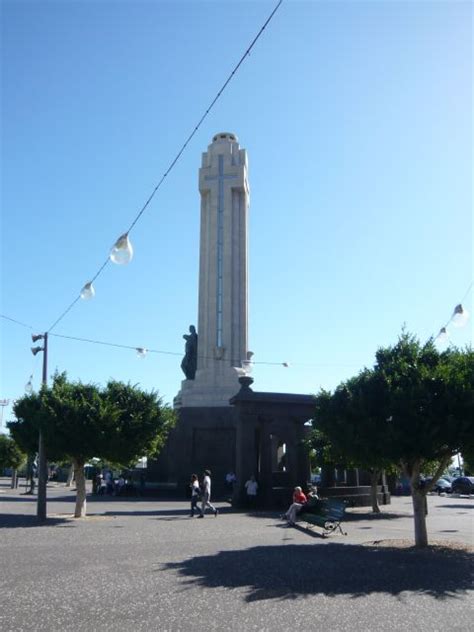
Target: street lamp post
{"points": [[42, 462]]}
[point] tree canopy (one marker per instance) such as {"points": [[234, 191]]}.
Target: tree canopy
{"points": [[414, 407], [10, 453], [79, 421]]}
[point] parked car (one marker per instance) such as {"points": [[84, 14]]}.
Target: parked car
{"points": [[463, 485], [442, 485], [448, 478]]}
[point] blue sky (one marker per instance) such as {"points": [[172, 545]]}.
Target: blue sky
{"points": [[357, 119]]}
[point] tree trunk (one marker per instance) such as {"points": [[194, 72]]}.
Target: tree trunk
{"points": [[14, 483], [80, 510], [70, 476], [29, 475], [418, 498], [374, 479], [419, 513]]}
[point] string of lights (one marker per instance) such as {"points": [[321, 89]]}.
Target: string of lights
{"points": [[459, 318], [143, 351], [122, 250]]}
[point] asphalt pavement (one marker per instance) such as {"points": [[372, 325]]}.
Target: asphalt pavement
{"points": [[146, 565]]}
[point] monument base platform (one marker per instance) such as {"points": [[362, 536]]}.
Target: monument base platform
{"points": [[203, 438], [356, 496]]}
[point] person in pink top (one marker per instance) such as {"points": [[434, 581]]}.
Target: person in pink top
{"points": [[299, 499]]}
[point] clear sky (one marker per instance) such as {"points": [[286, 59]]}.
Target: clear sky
{"points": [[357, 119]]}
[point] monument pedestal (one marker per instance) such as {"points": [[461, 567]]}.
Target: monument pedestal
{"points": [[211, 387], [204, 438]]}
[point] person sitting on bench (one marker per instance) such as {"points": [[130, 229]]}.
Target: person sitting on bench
{"points": [[299, 500]]}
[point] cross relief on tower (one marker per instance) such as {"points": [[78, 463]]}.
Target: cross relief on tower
{"points": [[223, 276]]}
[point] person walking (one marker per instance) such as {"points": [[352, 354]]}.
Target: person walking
{"points": [[195, 493], [206, 495]]}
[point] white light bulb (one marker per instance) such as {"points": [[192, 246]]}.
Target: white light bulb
{"points": [[29, 386], [141, 352], [122, 251], [442, 336], [460, 316], [87, 292]]}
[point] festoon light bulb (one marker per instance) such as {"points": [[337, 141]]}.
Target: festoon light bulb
{"points": [[87, 291], [442, 336], [122, 251], [460, 316]]}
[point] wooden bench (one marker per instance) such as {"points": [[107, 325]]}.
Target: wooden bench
{"points": [[327, 514]]}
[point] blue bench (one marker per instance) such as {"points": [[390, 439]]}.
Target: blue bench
{"points": [[327, 514]]}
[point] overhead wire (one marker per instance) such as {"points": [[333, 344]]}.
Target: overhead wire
{"points": [[176, 158], [159, 351], [248, 363], [16, 321], [443, 330]]}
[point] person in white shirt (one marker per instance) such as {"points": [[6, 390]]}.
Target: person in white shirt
{"points": [[195, 493], [252, 489], [206, 495]]}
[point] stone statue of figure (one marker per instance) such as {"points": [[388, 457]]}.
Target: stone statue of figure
{"points": [[189, 363]]}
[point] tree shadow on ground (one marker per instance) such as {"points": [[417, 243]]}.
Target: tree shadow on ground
{"points": [[161, 512], [153, 513], [157, 513], [25, 498], [12, 521], [455, 507], [357, 517], [297, 571], [348, 516]]}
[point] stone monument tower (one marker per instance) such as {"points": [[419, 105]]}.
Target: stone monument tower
{"points": [[223, 305]]}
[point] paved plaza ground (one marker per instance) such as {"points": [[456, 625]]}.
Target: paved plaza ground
{"points": [[145, 565]]}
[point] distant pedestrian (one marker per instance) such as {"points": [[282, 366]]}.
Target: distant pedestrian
{"points": [[96, 481], [119, 485], [230, 479], [109, 482], [206, 495], [102, 486], [251, 487], [195, 493]]}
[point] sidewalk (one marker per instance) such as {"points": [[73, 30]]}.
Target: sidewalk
{"points": [[138, 565], [450, 518]]}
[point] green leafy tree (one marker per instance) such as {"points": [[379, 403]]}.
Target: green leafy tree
{"points": [[29, 415], [415, 408], [80, 421], [10, 454], [468, 459], [430, 397], [141, 424], [352, 424]]}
